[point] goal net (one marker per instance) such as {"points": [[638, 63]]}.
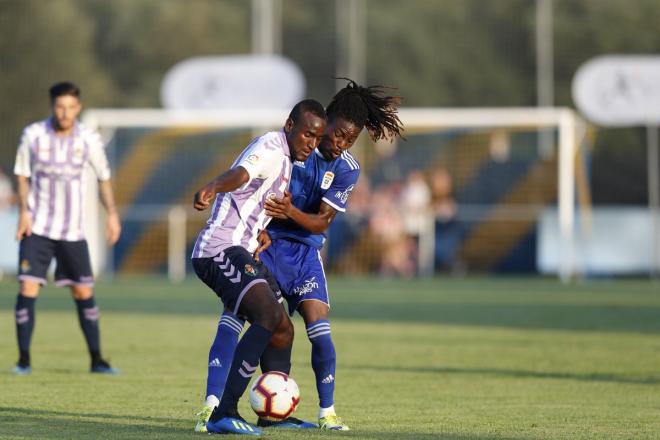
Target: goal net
{"points": [[464, 192]]}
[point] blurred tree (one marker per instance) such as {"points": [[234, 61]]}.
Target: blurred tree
{"points": [[43, 42], [136, 42]]}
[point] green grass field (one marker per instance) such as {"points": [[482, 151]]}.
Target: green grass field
{"points": [[436, 359]]}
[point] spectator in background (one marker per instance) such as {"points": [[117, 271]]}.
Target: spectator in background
{"points": [[387, 225], [7, 222], [448, 230], [7, 196]]}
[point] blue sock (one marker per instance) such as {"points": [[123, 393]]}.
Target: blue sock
{"points": [[88, 317], [222, 353], [245, 363], [24, 315], [324, 360]]}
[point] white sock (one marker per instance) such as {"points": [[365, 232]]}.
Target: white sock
{"points": [[326, 411], [211, 401]]}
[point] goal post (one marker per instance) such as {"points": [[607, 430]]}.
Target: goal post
{"points": [[568, 127]]}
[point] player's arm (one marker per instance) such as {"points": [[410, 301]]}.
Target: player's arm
{"points": [[226, 182], [24, 219], [282, 208], [23, 171], [113, 225]]}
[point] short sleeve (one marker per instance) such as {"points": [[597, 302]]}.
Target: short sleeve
{"points": [[341, 188], [23, 165], [97, 157], [260, 160]]}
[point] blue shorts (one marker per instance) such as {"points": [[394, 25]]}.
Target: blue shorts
{"points": [[298, 271], [231, 273]]}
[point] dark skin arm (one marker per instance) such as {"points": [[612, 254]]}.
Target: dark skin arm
{"points": [[226, 182], [282, 208]]}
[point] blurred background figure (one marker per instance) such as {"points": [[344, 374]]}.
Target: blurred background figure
{"points": [[8, 219]]}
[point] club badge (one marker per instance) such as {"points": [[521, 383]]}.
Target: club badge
{"points": [[328, 177], [250, 270]]}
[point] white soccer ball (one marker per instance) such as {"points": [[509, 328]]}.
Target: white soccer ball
{"points": [[274, 396]]}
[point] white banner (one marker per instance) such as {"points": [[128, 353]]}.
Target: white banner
{"points": [[619, 90], [233, 82]]}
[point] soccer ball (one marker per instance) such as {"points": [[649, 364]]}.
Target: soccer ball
{"points": [[274, 396]]}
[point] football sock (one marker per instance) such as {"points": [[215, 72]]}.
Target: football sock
{"points": [[326, 411], [88, 316], [245, 363], [276, 359], [324, 360], [221, 353], [24, 315]]}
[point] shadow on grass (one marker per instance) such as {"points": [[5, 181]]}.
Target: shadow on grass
{"points": [[42, 413], [69, 427], [587, 377], [44, 424], [398, 435]]}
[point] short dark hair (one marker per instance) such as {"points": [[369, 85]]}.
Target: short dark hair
{"points": [[369, 107], [64, 88], [307, 105]]}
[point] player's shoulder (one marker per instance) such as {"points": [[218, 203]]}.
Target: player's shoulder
{"points": [[272, 141], [36, 128], [347, 163], [87, 133]]}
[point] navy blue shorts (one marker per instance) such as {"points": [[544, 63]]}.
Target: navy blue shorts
{"points": [[231, 273], [298, 269], [72, 258]]}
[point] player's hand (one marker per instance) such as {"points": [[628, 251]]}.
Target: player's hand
{"points": [[278, 207], [264, 242], [24, 225], [112, 228], [203, 197]]}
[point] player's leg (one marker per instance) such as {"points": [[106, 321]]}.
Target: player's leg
{"points": [[277, 355], [35, 254], [314, 305], [244, 291], [264, 313], [220, 358], [74, 269]]}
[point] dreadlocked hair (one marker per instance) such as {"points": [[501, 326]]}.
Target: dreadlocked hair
{"points": [[368, 107]]}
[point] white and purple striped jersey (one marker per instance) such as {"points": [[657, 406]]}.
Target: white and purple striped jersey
{"points": [[55, 166], [237, 217]]}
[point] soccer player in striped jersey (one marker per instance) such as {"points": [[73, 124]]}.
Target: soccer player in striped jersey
{"points": [[51, 186], [320, 188], [223, 253]]}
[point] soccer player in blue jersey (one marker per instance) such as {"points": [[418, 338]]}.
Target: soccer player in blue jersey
{"points": [[320, 187]]}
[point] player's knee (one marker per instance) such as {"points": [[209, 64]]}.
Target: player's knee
{"points": [[283, 336], [29, 289], [81, 292], [272, 318]]}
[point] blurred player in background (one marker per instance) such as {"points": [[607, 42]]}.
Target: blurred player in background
{"points": [[51, 185], [223, 253], [320, 188]]}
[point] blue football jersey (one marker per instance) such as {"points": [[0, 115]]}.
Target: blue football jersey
{"points": [[313, 181]]}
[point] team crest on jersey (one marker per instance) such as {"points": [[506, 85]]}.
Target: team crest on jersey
{"points": [[25, 266], [250, 270], [252, 159], [328, 177]]}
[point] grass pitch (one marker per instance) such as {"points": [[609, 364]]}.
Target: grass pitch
{"points": [[427, 359]]}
